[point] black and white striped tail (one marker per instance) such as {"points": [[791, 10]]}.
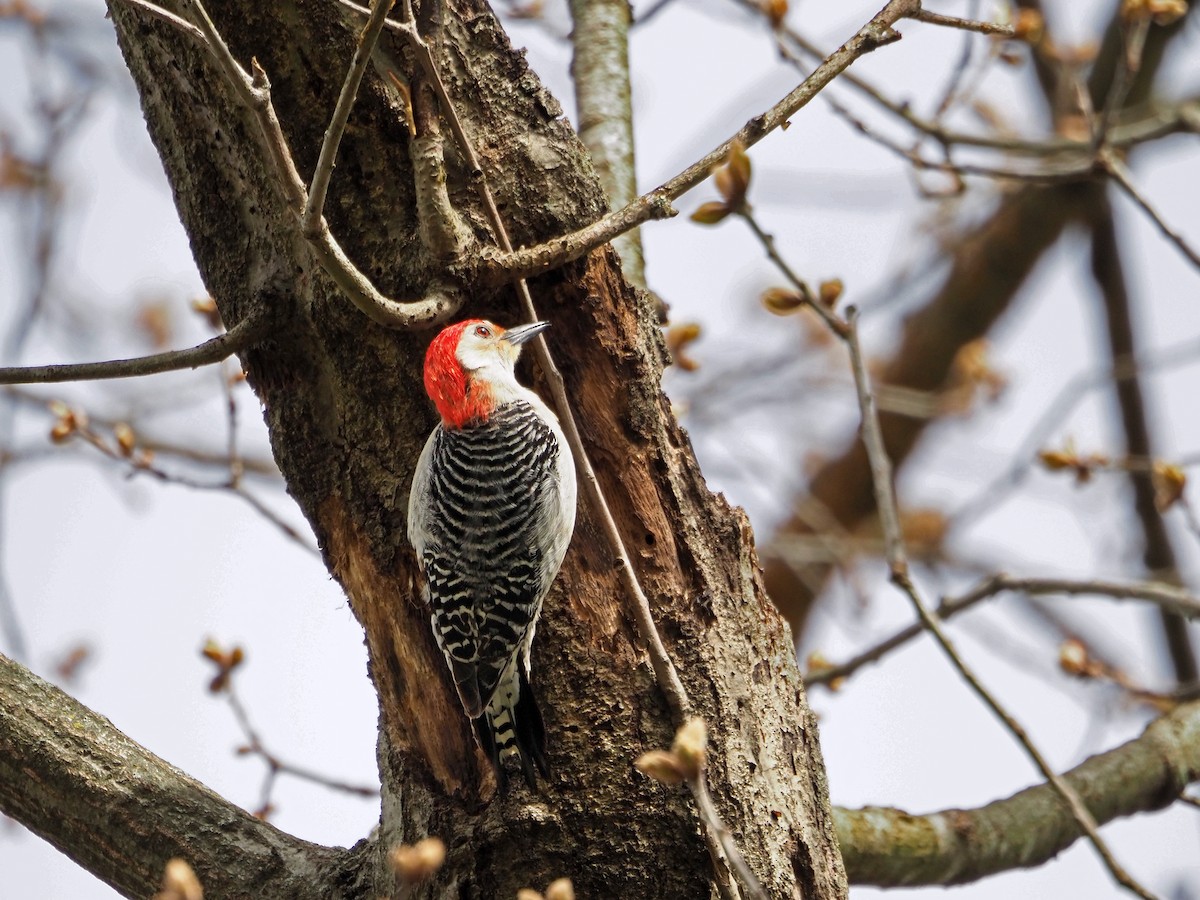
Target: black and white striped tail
{"points": [[512, 726]]}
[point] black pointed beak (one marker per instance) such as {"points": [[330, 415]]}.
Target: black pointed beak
{"points": [[522, 333]]}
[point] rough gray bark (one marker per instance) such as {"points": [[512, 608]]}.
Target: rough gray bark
{"points": [[119, 811], [347, 416]]}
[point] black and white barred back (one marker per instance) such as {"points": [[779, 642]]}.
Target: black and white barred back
{"points": [[489, 559]]}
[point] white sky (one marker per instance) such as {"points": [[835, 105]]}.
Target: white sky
{"points": [[144, 572]]}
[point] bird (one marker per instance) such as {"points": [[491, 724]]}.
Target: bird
{"points": [[490, 516]]}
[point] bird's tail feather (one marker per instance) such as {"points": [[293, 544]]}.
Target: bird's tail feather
{"points": [[512, 726]]}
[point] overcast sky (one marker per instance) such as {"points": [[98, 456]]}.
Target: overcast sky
{"points": [[144, 572]]}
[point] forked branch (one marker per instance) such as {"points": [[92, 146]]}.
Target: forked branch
{"points": [[436, 306]]}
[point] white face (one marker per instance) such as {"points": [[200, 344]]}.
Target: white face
{"points": [[483, 345]]}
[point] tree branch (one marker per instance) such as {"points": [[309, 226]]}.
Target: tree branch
{"points": [[1158, 552], [314, 206], [600, 72], [1167, 597], [243, 335], [891, 848], [897, 559], [254, 91], [121, 812], [989, 267], [506, 266]]}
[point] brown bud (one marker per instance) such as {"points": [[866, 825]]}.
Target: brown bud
{"points": [[1167, 12], [690, 748], [125, 438], [1169, 481], [179, 882], [1073, 657], [560, 889], [733, 178], [416, 862], [924, 529], [776, 11], [711, 213], [1029, 26], [817, 662], [154, 319], [678, 338], [830, 292], [660, 765], [61, 431], [529, 894], [781, 301], [206, 306]]}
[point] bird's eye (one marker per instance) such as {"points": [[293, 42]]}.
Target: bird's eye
{"points": [[483, 331]]}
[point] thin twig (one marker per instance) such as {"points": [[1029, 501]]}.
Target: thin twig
{"points": [[1163, 595], [236, 467], [1081, 168], [1123, 368], [1121, 175], [254, 746], [951, 92], [243, 335], [712, 819], [1134, 35], [881, 471], [656, 204], [140, 461], [1183, 116], [166, 16], [314, 207], [438, 303], [964, 24]]}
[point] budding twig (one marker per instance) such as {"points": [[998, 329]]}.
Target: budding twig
{"points": [[243, 335], [881, 471], [1163, 595]]}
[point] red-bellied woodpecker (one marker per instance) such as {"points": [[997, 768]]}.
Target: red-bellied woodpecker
{"points": [[490, 515]]}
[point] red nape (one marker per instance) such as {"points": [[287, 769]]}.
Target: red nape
{"points": [[458, 400]]}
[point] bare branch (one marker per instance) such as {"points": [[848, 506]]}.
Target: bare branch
{"points": [[223, 684], [885, 499], [57, 765], [1183, 116], [315, 205], [656, 204], [439, 302], [965, 24], [891, 848], [243, 335], [1158, 551], [1164, 595], [1121, 175]]}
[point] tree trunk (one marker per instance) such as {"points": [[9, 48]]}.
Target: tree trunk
{"points": [[347, 417]]}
